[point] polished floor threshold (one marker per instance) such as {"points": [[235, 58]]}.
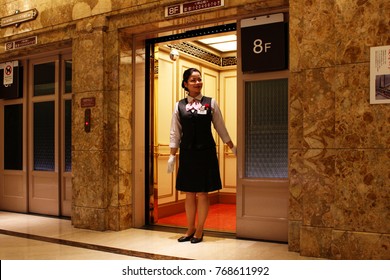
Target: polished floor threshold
{"points": [[101, 248], [36, 237], [113, 250], [181, 230]]}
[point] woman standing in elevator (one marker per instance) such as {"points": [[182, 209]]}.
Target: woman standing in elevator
{"points": [[198, 171]]}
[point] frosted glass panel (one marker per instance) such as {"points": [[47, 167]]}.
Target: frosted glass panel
{"points": [[44, 136], [266, 131]]}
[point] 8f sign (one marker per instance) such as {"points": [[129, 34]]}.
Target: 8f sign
{"points": [[264, 46], [259, 46]]}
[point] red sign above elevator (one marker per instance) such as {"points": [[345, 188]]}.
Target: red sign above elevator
{"points": [[192, 6], [17, 44]]}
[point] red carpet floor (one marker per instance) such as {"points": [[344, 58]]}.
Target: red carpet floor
{"points": [[222, 217]]}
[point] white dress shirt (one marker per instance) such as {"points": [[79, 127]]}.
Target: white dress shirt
{"points": [[217, 120]]}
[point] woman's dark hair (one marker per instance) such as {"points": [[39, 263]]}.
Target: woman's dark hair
{"points": [[186, 76]]}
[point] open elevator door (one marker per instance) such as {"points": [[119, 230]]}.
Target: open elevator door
{"points": [[160, 102]]}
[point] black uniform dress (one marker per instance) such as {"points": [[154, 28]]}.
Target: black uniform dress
{"points": [[198, 163]]}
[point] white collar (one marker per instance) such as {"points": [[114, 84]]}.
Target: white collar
{"points": [[191, 99]]}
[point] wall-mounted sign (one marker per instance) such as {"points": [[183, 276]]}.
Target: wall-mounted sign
{"points": [[8, 77], [11, 77], [88, 102], [264, 43], [380, 75], [18, 18], [21, 43], [192, 6]]}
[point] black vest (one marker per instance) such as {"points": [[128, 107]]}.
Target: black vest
{"points": [[196, 127]]}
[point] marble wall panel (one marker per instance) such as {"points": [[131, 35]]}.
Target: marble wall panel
{"points": [[312, 36], [339, 157], [312, 180], [297, 174], [111, 121], [360, 25], [89, 183], [125, 121], [112, 169], [126, 60], [359, 124], [53, 12], [359, 245], [363, 190], [125, 217], [88, 72], [89, 218], [87, 8], [296, 25], [294, 229], [316, 242], [120, 4], [253, 5], [295, 132], [113, 218], [125, 177], [119, 218], [111, 60], [318, 103], [318, 190], [125, 125]]}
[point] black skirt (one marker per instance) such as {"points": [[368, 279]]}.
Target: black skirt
{"points": [[198, 171]]}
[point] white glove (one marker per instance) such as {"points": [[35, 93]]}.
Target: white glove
{"points": [[234, 150], [171, 163]]}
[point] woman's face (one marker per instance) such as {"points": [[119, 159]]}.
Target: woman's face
{"points": [[194, 84]]}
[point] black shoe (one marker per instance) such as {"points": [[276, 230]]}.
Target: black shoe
{"points": [[195, 240], [186, 238]]}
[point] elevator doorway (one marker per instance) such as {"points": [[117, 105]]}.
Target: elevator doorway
{"points": [[36, 129], [261, 200], [218, 67]]}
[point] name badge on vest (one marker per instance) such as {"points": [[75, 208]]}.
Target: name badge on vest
{"points": [[202, 111]]}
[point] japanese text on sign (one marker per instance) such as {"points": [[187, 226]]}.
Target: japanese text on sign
{"points": [[21, 43], [193, 6]]}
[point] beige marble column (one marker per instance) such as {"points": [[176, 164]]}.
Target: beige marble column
{"points": [[101, 194]]}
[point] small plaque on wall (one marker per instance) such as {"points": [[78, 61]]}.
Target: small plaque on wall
{"points": [[88, 102], [22, 43], [264, 44], [380, 75]]}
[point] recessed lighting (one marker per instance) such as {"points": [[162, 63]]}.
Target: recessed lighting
{"points": [[222, 43], [225, 47], [220, 39]]}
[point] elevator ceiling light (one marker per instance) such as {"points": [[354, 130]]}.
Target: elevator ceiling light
{"points": [[225, 43]]}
